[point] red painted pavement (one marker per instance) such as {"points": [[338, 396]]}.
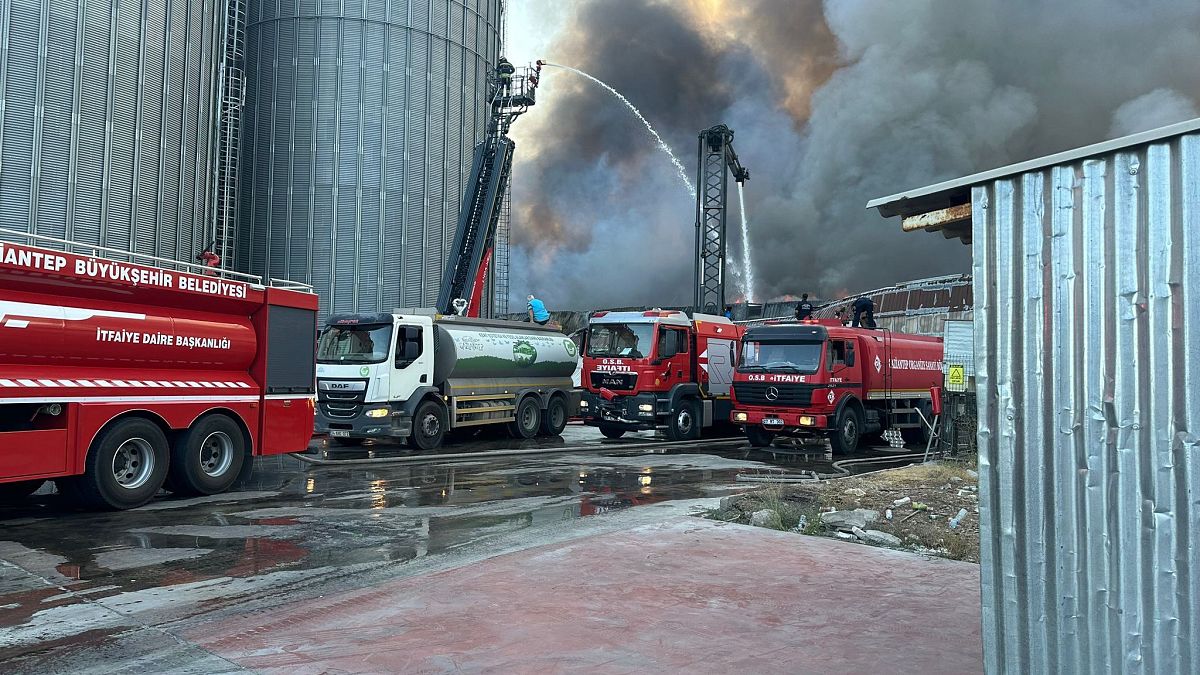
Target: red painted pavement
{"points": [[684, 596]]}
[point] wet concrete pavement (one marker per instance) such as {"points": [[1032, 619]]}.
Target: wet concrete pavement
{"points": [[97, 592]]}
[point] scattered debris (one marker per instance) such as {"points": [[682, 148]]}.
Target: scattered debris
{"points": [[848, 520], [973, 474], [845, 508], [882, 538], [766, 518]]}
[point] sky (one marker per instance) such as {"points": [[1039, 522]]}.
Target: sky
{"points": [[832, 104]]}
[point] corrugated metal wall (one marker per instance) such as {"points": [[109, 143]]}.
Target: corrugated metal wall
{"points": [[360, 122], [105, 133], [1087, 293]]}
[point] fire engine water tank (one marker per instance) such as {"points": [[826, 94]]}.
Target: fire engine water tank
{"points": [[359, 130], [486, 352], [108, 111]]}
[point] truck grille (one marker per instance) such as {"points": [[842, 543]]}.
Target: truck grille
{"points": [[755, 393], [616, 381], [342, 404]]}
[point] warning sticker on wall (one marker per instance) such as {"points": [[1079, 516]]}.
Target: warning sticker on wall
{"points": [[956, 377]]}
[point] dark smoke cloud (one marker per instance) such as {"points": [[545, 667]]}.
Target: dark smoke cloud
{"points": [[832, 104]]}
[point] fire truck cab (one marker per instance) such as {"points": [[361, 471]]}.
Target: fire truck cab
{"points": [[822, 378], [656, 369]]}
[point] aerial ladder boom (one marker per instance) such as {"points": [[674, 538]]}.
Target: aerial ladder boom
{"points": [[467, 266], [717, 161]]}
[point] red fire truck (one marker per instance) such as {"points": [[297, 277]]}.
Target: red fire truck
{"points": [[645, 370], [117, 378], [820, 377]]}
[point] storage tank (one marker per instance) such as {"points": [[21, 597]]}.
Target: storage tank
{"points": [[472, 351], [105, 132], [358, 132]]}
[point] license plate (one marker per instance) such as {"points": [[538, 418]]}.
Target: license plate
{"points": [[772, 422], [338, 433]]}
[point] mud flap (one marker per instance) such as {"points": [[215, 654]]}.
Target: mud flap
{"points": [[706, 413]]}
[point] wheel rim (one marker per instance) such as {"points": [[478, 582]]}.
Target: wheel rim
{"points": [[133, 463], [849, 430], [527, 417], [430, 426], [216, 454], [684, 421], [557, 413]]}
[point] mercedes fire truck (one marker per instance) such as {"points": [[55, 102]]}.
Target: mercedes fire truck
{"points": [[821, 378], [657, 369], [117, 378]]}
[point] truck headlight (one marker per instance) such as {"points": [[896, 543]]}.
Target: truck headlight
{"points": [[646, 407], [378, 412], [740, 417], [806, 421]]}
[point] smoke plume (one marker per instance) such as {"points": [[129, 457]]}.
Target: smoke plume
{"points": [[832, 104]]}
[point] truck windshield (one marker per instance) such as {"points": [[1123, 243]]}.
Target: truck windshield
{"points": [[804, 357], [623, 340], [354, 344]]}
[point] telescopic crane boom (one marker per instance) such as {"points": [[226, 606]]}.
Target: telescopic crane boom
{"points": [[512, 93], [717, 162]]}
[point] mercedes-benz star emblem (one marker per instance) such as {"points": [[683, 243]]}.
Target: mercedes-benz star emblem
{"points": [[772, 393]]}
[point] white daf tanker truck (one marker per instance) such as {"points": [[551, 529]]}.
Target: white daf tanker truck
{"points": [[415, 374]]}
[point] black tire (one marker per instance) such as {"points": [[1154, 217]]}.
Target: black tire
{"points": [[684, 422], [843, 438], [554, 418], [759, 437], [429, 427], [125, 467], [15, 492], [529, 419], [610, 431], [207, 458]]}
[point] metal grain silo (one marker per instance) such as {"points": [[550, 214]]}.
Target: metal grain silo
{"points": [[105, 127], [360, 122]]}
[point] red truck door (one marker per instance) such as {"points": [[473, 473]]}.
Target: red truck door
{"points": [[674, 351], [845, 371]]}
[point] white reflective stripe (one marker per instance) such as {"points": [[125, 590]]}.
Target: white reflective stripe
{"points": [[48, 383], [151, 384], [177, 383], [103, 383], [165, 384], [17, 323], [290, 397], [67, 383], [86, 383], [243, 385], [7, 383], [120, 383], [133, 399], [28, 383]]}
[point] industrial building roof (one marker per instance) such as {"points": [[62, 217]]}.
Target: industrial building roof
{"points": [[958, 191]]}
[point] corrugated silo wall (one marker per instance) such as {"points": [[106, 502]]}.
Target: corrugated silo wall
{"points": [[360, 123], [105, 134], [1087, 343]]}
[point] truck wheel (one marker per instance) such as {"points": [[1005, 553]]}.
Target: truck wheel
{"points": [[529, 419], [125, 467], [844, 437], [15, 492], [759, 437], [610, 431], [208, 457], [554, 419], [684, 423], [429, 427]]}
